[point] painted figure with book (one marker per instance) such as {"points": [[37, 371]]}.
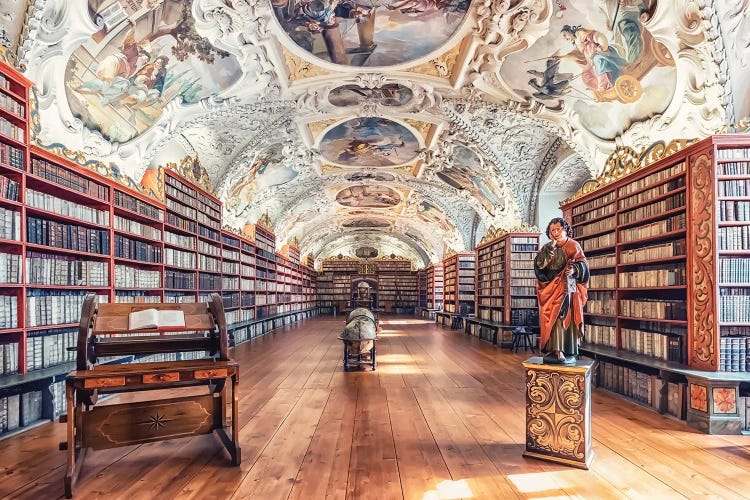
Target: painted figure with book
{"points": [[563, 275]]}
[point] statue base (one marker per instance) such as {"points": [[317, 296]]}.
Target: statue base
{"points": [[558, 412]]}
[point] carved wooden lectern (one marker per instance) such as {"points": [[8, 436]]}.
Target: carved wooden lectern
{"points": [[104, 332]]}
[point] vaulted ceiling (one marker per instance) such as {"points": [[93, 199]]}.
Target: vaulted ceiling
{"points": [[408, 126]]}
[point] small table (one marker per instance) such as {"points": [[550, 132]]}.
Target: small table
{"points": [[558, 412]]}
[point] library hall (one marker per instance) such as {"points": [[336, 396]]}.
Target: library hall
{"points": [[296, 250]]}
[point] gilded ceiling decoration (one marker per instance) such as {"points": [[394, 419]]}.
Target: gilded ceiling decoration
{"points": [[405, 126]]}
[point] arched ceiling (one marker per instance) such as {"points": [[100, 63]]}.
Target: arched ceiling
{"points": [[408, 126]]}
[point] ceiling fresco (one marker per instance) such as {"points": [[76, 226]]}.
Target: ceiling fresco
{"points": [[405, 126], [369, 141], [390, 94], [119, 81], [369, 33]]}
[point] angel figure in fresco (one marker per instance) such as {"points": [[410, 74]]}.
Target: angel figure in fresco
{"points": [[602, 65], [550, 84], [358, 148], [148, 84], [114, 73], [614, 65]]}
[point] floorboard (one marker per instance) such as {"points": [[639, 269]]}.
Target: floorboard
{"points": [[442, 417]]}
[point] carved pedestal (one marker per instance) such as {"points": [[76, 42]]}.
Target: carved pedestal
{"points": [[558, 412]]}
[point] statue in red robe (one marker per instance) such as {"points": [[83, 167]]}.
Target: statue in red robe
{"points": [[562, 274]]}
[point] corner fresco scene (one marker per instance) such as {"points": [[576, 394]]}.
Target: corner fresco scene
{"points": [[268, 169], [370, 33], [463, 175], [600, 58], [369, 142], [145, 55]]}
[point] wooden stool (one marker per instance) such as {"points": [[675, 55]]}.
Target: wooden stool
{"points": [[522, 337]]}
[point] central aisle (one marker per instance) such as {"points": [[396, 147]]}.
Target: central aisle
{"points": [[442, 417]]}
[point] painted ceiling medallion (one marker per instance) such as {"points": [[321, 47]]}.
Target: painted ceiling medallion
{"points": [[391, 94], [369, 142], [368, 197], [370, 33]]}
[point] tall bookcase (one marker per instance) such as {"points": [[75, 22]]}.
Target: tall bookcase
{"points": [[435, 286], [669, 251], [458, 283], [505, 281], [398, 287], [422, 280], [67, 231]]}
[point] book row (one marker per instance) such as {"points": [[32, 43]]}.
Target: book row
{"points": [[128, 248], [735, 187], [654, 192], [734, 168], [653, 209], [137, 228], [8, 311], [49, 348], [732, 211], [20, 410], [131, 277], [654, 308], [11, 130], [64, 177], [631, 383], [10, 224], [12, 156], [673, 223], [734, 354], [67, 236], [653, 252], [49, 203], [656, 177], [10, 104], [734, 306], [673, 275], [734, 270], [8, 188], [136, 205], [10, 268], [65, 270], [51, 307], [657, 345], [734, 238], [8, 358]]}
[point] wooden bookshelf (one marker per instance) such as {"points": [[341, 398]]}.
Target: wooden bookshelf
{"points": [[458, 283], [422, 280], [435, 286], [670, 274], [505, 281], [70, 231]]}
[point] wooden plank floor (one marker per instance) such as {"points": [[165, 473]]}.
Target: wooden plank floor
{"points": [[441, 418]]}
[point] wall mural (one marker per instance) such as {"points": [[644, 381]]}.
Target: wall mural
{"points": [[370, 32], [369, 142], [145, 55], [465, 175], [609, 67], [366, 223], [390, 94], [368, 197]]}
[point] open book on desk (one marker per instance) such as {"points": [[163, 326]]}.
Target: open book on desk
{"points": [[155, 318]]}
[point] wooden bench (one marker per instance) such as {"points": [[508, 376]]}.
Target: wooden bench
{"points": [[456, 320], [490, 331], [104, 332]]}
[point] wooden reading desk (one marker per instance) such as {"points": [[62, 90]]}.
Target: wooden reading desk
{"points": [[104, 332]]}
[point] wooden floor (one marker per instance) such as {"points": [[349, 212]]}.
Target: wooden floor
{"points": [[442, 417]]}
